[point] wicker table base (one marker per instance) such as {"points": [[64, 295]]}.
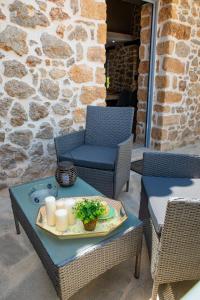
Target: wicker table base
{"points": [[71, 275], [178, 290]]}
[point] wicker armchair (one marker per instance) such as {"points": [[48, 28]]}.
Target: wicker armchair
{"points": [[101, 152], [171, 214]]}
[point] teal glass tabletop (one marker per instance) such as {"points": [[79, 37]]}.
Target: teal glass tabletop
{"points": [[64, 251]]}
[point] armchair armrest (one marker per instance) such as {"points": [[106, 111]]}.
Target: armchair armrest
{"points": [[69, 141], [122, 164], [162, 164], [125, 145]]}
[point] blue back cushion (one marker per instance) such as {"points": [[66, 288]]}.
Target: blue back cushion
{"points": [[108, 126]]}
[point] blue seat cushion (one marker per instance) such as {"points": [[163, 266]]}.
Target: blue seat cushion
{"points": [[90, 156], [160, 189]]}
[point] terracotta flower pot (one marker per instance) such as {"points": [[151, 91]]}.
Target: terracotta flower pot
{"points": [[90, 226]]}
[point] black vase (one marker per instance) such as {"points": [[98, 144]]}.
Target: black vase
{"points": [[66, 173]]}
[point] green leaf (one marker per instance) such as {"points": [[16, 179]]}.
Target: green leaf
{"points": [[89, 210]]}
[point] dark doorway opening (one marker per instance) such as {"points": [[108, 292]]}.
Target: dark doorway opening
{"points": [[122, 55]]}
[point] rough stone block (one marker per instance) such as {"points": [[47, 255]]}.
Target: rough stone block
{"points": [[49, 89], [159, 133], [19, 115], [141, 116], [79, 34], [2, 16], [101, 33], [168, 97], [173, 65], [45, 131], [143, 67], [26, 15], [100, 75], [18, 89], [165, 47], [168, 120], [162, 82], [182, 49], [145, 21], [96, 54], [142, 95], [54, 47], [81, 73], [93, 10], [79, 115], [21, 137], [145, 36], [167, 13], [146, 9], [91, 93], [177, 30], [162, 108], [13, 68], [13, 38], [58, 14], [37, 111]]}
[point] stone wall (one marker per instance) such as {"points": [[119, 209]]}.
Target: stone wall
{"points": [[123, 67], [176, 118], [52, 65], [176, 110]]}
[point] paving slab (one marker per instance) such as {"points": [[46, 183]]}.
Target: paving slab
{"points": [[35, 286], [6, 223], [4, 282], [11, 250]]}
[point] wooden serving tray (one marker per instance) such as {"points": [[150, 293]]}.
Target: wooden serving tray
{"points": [[103, 227]]}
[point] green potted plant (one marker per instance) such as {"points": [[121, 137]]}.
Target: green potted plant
{"points": [[88, 212]]}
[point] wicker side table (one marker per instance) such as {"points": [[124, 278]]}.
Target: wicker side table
{"points": [[68, 270]]}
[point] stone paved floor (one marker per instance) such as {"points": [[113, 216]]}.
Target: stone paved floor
{"points": [[22, 275]]}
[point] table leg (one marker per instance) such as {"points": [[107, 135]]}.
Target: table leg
{"points": [[138, 260], [127, 186], [17, 224], [137, 266], [16, 220]]}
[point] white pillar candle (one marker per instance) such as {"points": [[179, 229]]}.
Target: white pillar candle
{"points": [[50, 204], [61, 219], [69, 204], [60, 204]]}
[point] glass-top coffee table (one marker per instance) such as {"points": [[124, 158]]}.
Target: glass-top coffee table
{"points": [[71, 264]]}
